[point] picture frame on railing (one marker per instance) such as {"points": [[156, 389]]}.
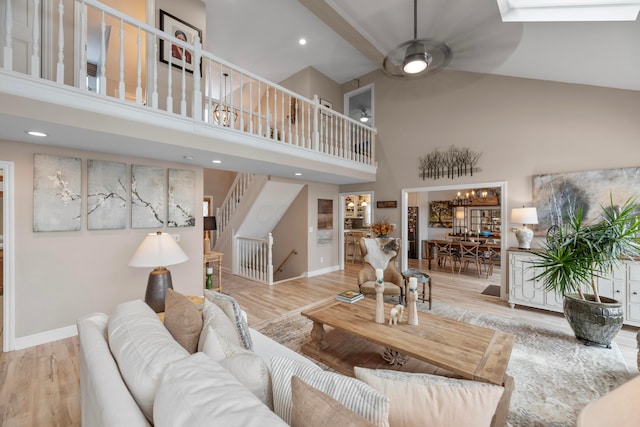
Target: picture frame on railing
{"points": [[182, 30]]}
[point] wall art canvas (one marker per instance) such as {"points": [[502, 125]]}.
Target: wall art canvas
{"points": [[182, 185], [57, 193], [148, 201], [555, 194], [325, 221], [440, 214], [107, 195]]}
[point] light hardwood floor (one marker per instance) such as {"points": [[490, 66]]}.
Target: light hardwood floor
{"points": [[40, 385]]}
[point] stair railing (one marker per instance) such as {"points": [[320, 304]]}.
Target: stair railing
{"points": [[224, 213], [254, 258]]}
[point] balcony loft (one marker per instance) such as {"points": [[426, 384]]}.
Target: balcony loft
{"points": [[108, 92]]}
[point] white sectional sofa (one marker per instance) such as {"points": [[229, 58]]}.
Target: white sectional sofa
{"points": [[134, 373]]}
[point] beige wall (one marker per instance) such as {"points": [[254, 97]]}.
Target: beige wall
{"points": [[522, 127], [322, 256], [291, 234], [217, 184], [61, 276], [309, 82]]}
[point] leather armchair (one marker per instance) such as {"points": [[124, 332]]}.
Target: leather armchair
{"points": [[393, 281]]}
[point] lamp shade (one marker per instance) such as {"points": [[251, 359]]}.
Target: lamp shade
{"points": [[210, 223], [158, 249], [524, 216], [460, 214]]}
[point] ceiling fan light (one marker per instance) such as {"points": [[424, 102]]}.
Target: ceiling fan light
{"points": [[416, 59], [364, 118]]}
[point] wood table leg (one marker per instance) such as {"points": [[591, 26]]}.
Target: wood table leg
{"points": [[318, 336]]}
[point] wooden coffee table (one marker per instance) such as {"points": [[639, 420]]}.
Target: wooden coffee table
{"points": [[469, 351]]}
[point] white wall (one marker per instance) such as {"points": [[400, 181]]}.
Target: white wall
{"points": [[60, 276], [522, 127]]}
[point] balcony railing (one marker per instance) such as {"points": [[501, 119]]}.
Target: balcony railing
{"points": [[117, 56]]}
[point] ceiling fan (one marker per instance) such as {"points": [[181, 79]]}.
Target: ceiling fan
{"points": [[416, 57]]}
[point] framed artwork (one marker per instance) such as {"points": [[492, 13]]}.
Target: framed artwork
{"points": [[182, 186], [326, 103], [57, 193], [183, 31], [440, 214], [148, 201], [325, 221], [387, 204], [107, 195], [555, 194]]}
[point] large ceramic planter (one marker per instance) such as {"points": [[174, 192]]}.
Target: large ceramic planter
{"points": [[593, 322]]}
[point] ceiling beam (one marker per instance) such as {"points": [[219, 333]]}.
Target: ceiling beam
{"points": [[337, 23]]}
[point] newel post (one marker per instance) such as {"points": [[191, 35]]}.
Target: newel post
{"points": [[316, 118], [270, 259]]}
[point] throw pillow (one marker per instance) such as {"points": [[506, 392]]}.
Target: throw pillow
{"points": [[313, 408], [353, 394], [424, 399], [142, 347], [183, 320], [197, 391], [233, 311], [214, 317], [246, 366]]}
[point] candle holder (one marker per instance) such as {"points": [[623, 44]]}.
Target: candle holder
{"points": [[412, 297], [379, 295], [209, 282]]}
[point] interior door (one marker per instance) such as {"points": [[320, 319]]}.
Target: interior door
{"points": [[22, 13]]}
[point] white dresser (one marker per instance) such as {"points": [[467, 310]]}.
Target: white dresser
{"points": [[623, 286]]}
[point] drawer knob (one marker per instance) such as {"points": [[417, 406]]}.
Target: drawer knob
{"points": [[635, 293], [618, 291]]}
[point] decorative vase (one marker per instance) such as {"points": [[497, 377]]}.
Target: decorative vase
{"points": [[379, 295], [209, 282], [412, 297]]}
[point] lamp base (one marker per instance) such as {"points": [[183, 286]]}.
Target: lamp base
{"points": [[157, 285], [524, 236]]}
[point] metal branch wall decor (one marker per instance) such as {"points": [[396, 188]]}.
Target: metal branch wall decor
{"points": [[452, 163]]}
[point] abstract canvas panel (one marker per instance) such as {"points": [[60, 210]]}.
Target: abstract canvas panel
{"points": [[107, 195], [554, 195], [148, 196], [440, 214], [57, 193], [182, 185]]}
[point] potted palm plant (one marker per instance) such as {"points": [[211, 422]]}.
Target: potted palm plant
{"points": [[576, 253]]}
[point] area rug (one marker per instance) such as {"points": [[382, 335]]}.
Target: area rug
{"points": [[491, 290], [555, 375]]}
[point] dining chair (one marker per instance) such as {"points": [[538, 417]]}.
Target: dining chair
{"points": [[493, 257], [444, 252], [470, 252]]}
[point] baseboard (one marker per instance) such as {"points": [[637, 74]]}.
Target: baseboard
{"points": [[45, 337], [323, 271]]}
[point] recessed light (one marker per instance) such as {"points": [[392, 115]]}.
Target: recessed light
{"points": [[36, 133], [298, 174], [302, 41], [187, 157], [216, 161]]}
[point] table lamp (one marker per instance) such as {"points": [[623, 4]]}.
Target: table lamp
{"points": [[209, 225], [524, 216], [158, 250]]}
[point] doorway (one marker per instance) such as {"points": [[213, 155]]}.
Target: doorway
{"points": [[355, 212], [426, 194], [7, 299]]}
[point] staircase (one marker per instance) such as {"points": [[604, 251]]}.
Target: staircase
{"points": [[253, 207]]}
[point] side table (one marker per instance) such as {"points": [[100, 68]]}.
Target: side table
{"points": [[213, 258], [423, 278]]}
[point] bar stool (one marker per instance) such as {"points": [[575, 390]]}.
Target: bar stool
{"points": [[355, 241]]}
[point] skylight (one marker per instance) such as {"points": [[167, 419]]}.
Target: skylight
{"points": [[568, 10]]}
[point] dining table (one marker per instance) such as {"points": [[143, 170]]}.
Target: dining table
{"points": [[428, 246]]}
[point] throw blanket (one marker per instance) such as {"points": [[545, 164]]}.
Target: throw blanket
{"points": [[376, 256]]}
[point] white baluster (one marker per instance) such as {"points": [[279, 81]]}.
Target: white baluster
{"points": [[209, 94], [316, 116], [250, 106], [154, 94], [169, 80], [121, 87], [241, 104], [259, 111], [232, 117], [60, 65], [35, 57], [183, 92], [270, 258], [82, 83], [8, 39], [103, 57], [196, 112], [139, 71]]}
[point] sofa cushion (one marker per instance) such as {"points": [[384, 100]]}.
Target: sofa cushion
{"points": [[142, 347], [313, 408], [183, 320], [246, 366], [197, 391], [424, 399], [352, 393], [214, 317], [233, 311], [267, 348]]}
